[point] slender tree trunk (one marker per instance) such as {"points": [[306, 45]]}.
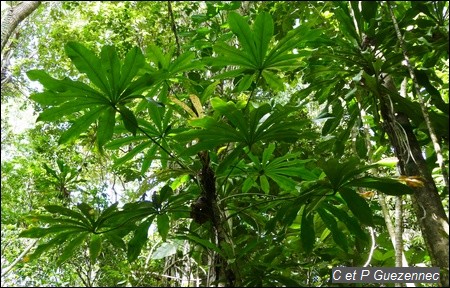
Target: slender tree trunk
{"points": [[400, 257], [19, 258], [14, 16], [223, 274], [426, 200]]}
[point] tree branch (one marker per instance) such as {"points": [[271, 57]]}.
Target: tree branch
{"points": [[20, 257], [174, 27]]}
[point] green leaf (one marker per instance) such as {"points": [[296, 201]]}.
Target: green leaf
{"points": [[351, 222], [386, 185], [51, 98], [52, 220], [148, 159], [285, 183], [345, 22], [111, 67], [55, 209], [106, 213], [129, 120], [165, 193], [307, 233], [166, 249], [95, 246], [116, 241], [87, 62], [248, 183], [263, 31], [55, 242], [245, 82], [80, 125], [183, 63], [273, 80], [203, 242], [289, 42], [357, 205], [70, 247], [81, 90], [139, 148], [369, 10], [139, 240], [226, 162], [264, 183], [134, 60], [88, 212], [56, 113], [38, 232], [163, 225], [105, 129], [240, 27], [338, 237], [268, 152]]}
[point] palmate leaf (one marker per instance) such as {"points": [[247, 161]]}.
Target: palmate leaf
{"points": [[282, 170], [115, 85], [55, 242], [111, 225], [129, 120], [158, 129], [264, 123], [231, 56], [78, 89], [76, 105], [203, 242], [88, 212], [254, 57]]}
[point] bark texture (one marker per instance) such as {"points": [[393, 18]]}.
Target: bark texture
{"points": [[14, 16]]}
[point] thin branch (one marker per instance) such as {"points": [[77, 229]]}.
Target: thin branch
{"points": [[372, 247], [174, 27], [19, 258]]}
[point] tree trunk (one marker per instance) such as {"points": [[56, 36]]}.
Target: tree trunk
{"points": [[14, 16], [426, 201], [222, 274]]}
